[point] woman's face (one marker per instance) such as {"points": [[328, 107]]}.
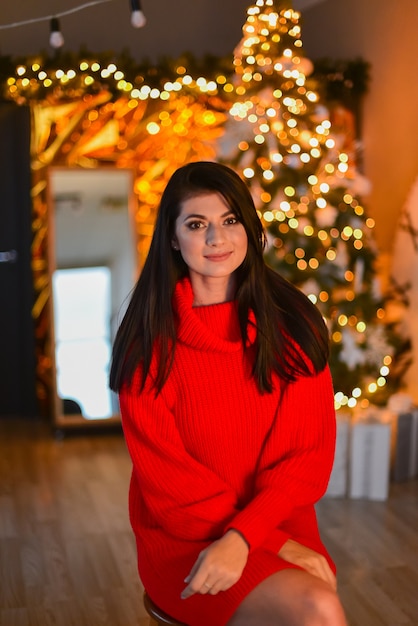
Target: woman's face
{"points": [[211, 240]]}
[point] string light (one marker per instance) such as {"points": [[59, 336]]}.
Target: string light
{"points": [[46, 18], [56, 38], [138, 19], [31, 79]]}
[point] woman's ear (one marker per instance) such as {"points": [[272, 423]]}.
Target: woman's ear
{"points": [[174, 244]]}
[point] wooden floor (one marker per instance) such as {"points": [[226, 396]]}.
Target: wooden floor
{"points": [[67, 554]]}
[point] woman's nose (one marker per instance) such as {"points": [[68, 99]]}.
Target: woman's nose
{"points": [[214, 235]]}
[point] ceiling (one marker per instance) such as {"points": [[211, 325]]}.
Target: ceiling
{"points": [[104, 25]]}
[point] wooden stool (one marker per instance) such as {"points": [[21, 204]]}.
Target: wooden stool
{"points": [[158, 617]]}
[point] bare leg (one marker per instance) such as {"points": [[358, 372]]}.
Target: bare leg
{"points": [[290, 598]]}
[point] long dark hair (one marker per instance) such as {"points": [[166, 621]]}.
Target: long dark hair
{"points": [[285, 317]]}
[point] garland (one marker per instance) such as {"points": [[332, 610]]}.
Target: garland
{"points": [[69, 75]]}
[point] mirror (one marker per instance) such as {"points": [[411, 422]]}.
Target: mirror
{"points": [[94, 268]]}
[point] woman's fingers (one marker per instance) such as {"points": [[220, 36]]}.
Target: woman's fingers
{"points": [[329, 575], [311, 561], [317, 565], [192, 588], [195, 567], [320, 568], [196, 582], [218, 567]]}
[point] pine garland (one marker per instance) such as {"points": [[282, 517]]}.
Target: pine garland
{"points": [[345, 81]]}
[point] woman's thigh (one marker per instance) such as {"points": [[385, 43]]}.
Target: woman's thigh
{"points": [[290, 598]]}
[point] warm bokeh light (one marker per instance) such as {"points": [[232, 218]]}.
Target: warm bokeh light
{"points": [[301, 173]]}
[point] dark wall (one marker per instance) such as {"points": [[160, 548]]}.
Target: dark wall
{"points": [[17, 338]]}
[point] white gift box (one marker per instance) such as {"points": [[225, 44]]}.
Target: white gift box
{"points": [[338, 482], [370, 453]]}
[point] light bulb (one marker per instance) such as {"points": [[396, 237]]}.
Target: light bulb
{"points": [[56, 39], [138, 19]]}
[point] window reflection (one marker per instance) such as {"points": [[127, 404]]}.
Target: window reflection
{"points": [[82, 309]]}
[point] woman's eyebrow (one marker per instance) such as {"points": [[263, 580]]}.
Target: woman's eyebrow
{"points": [[195, 215], [204, 217]]}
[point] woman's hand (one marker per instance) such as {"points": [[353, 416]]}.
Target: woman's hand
{"points": [[309, 560], [219, 566]]}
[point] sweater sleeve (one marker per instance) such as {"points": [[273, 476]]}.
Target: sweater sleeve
{"points": [[185, 498], [304, 431]]}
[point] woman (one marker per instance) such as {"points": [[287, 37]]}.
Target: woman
{"points": [[227, 409]]}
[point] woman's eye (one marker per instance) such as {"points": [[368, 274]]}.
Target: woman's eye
{"points": [[198, 224], [194, 225]]}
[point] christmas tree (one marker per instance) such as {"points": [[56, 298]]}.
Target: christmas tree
{"points": [[303, 177]]}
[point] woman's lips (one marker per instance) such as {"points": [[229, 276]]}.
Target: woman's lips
{"points": [[218, 257]]}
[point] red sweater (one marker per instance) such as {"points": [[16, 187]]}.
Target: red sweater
{"points": [[211, 453]]}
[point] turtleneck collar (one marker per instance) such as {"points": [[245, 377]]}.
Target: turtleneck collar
{"points": [[211, 327]]}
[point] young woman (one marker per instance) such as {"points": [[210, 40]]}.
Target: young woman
{"points": [[227, 409]]}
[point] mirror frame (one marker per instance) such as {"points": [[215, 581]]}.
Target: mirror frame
{"points": [[73, 420]]}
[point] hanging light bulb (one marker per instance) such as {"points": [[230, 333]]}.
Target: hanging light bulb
{"points": [[56, 39], [138, 19]]}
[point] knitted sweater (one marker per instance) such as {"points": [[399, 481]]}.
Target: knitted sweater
{"points": [[210, 452]]}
